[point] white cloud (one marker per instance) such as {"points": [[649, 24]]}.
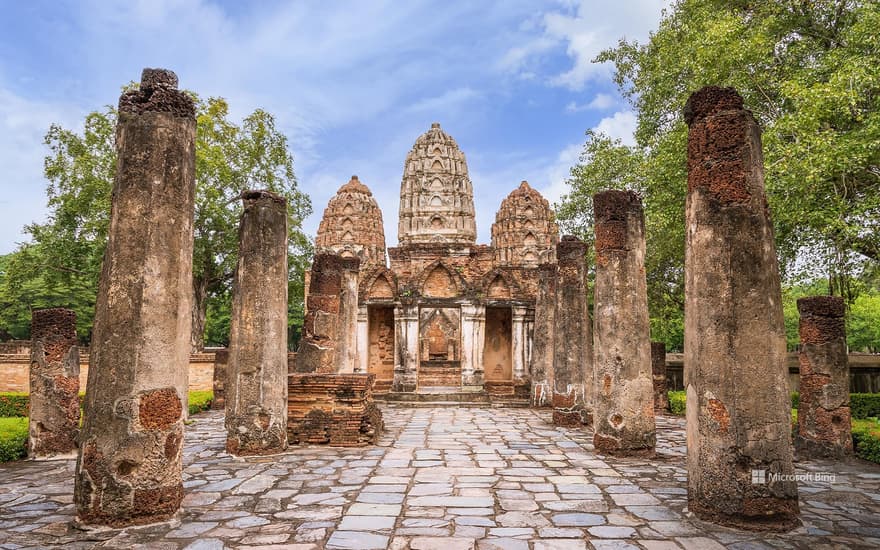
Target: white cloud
{"points": [[586, 30], [598, 103], [621, 125]]}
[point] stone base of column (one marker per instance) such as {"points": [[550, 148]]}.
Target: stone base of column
{"points": [[114, 489], [569, 411], [540, 395], [263, 437], [761, 514], [610, 446]]}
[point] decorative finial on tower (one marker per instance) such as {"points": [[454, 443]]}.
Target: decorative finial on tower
{"points": [[435, 125]]}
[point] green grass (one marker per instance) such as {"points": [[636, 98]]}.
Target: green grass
{"points": [[13, 438], [200, 401], [14, 427]]}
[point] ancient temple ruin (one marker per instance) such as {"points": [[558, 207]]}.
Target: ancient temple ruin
{"points": [[443, 314]]}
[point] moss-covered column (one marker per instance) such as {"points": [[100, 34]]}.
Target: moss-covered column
{"points": [[824, 421], [739, 455], [54, 383], [129, 467], [623, 422], [256, 396]]}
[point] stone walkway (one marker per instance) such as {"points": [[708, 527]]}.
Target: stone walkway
{"points": [[444, 478]]}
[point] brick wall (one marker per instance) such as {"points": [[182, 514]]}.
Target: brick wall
{"points": [[14, 371]]}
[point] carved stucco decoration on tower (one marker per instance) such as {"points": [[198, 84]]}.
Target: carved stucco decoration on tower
{"points": [[525, 232], [436, 195], [352, 226]]}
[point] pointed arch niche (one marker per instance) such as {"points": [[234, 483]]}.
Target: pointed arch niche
{"points": [[439, 283]]}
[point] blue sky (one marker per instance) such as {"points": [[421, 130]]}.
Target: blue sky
{"points": [[352, 84]]}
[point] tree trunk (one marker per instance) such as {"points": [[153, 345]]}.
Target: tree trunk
{"points": [[199, 313]]}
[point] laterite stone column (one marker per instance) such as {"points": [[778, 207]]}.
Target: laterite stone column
{"points": [[623, 421], [325, 346], [221, 361], [256, 383], [658, 369], [573, 352], [544, 337], [54, 383], [739, 452], [824, 421], [129, 467]]}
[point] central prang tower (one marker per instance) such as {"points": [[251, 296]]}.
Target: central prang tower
{"points": [[436, 195]]}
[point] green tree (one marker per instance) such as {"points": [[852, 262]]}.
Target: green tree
{"points": [[810, 72], [62, 263]]}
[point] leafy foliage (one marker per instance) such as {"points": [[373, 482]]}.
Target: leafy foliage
{"points": [[866, 439], [810, 72], [677, 402], [864, 405], [13, 404], [62, 264]]}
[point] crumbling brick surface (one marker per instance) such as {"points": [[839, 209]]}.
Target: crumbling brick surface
{"points": [[54, 383], [159, 409], [824, 428], [332, 409], [719, 146], [329, 308], [710, 100], [157, 93]]}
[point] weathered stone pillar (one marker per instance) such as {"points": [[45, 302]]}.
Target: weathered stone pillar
{"points": [[129, 467], [54, 383], [623, 420], [658, 369], [324, 347], [468, 316], [543, 341], [221, 361], [573, 354], [406, 342], [363, 340], [256, 400], [738, 408], [824, 422], [346, 353], [518, 344]]}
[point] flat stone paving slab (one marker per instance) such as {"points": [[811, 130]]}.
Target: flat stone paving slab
{"points": [[442, 478]]}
